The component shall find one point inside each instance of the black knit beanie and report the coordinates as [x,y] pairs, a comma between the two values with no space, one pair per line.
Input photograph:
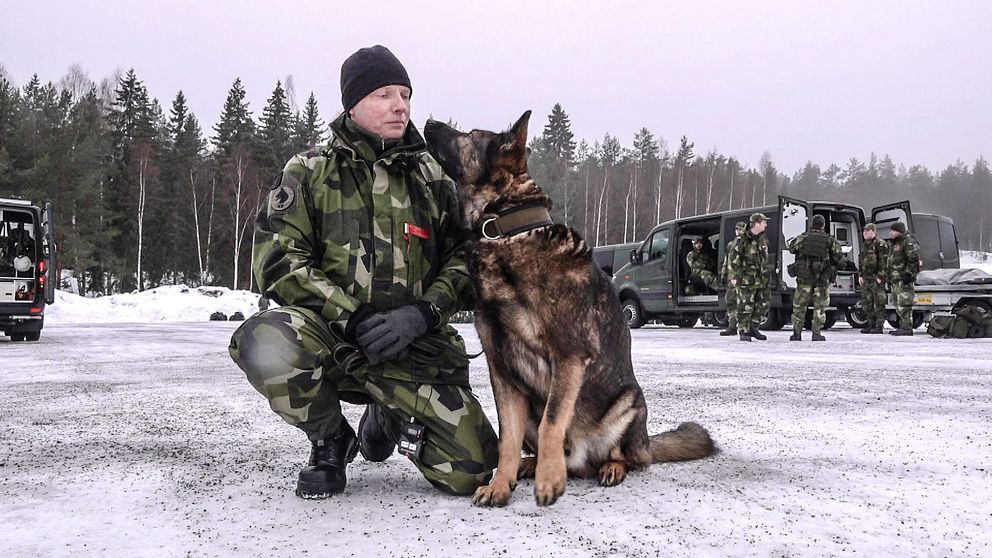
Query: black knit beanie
[369,69]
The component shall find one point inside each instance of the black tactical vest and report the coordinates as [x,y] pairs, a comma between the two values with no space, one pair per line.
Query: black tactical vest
[817,245]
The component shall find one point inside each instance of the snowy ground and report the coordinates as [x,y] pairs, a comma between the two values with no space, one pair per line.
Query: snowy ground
[145,439]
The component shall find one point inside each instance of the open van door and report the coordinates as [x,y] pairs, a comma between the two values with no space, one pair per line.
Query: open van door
[49,253]
[885,216]
[794,220]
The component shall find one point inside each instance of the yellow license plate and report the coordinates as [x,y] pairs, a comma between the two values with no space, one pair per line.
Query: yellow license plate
[923,299]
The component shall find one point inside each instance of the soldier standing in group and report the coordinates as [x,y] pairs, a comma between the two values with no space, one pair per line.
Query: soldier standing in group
[874,257]
[817,256]
[750,277]
[731,297]
[902,269]
[701,262]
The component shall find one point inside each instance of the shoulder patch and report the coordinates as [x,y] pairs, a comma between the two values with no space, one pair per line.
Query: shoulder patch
[281,198]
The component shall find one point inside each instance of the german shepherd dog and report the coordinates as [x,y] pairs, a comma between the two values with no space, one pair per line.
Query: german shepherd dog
[550,322]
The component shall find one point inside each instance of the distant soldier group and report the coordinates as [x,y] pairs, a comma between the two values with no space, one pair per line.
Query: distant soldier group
[893,265]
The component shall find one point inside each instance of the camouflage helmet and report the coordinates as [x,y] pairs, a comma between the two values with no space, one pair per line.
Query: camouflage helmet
[870,227]
[757,217]
[740,226]
[898,227]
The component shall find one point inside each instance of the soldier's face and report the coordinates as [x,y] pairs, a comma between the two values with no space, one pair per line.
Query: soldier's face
[759,227]
[385,112]
[868,234]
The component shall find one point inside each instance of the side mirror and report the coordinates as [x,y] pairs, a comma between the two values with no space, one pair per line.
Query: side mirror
[635,257]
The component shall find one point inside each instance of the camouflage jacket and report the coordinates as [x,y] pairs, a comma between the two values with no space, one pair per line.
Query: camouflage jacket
[904,258]
[873,259]
[817,271]
[363,222]
[727,256]
[700,261]
[749,260]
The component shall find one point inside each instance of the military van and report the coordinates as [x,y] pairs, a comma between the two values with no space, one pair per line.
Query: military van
[27,268]
[612,257]
[657,284]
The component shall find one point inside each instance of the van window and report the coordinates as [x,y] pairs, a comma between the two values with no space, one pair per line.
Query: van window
[949,244]
[658,246]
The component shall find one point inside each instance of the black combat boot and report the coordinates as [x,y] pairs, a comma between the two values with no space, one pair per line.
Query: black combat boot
[877,327]
[797,335]
[324,475]
[758,335]
[372,439]
[731,330]
[745,336]
[818,337]
[902,332]
[869,325]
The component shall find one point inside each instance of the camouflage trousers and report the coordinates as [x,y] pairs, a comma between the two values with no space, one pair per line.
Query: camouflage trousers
[805,293]
[708,277]
[752,307]
[904,295]
[731,299]
[285,353]
[873,299]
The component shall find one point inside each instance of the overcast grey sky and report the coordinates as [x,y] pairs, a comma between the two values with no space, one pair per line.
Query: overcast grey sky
[821,81]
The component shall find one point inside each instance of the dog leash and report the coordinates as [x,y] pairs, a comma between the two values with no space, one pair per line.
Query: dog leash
[423,351]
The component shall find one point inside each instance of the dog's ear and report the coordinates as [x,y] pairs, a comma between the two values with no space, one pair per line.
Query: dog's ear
[519,129]
[513,146]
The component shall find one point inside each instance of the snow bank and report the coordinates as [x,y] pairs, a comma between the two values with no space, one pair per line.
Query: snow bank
[977,260]
[174,303]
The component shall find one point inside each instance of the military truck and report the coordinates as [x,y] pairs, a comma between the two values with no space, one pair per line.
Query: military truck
[654,285]
[27,268]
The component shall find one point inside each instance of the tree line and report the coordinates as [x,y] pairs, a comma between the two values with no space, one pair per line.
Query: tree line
[614,193]
[143,197]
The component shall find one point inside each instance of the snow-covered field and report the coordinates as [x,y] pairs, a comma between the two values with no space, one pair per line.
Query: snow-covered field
[145,439]
[977,260]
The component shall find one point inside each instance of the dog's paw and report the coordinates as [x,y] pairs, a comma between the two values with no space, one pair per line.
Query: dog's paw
[528,465]
[549,484]
[496,494]
[612,473]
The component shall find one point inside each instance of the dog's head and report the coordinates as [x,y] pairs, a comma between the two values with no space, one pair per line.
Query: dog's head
[483,164]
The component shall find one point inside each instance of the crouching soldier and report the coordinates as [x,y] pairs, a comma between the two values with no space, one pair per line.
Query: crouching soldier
[874,258]
[702,265]
[902,269]
[817,256]
[360,244]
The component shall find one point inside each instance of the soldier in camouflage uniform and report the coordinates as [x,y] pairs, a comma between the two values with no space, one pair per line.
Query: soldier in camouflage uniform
[817,256]
[749,275]
[902,269]
[702,265]
[731,297]
[361,246]
[872,265]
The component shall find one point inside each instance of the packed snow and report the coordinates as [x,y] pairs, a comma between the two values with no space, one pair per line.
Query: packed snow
[143,438]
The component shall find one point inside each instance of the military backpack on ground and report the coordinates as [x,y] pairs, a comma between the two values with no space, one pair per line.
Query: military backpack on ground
[967,322]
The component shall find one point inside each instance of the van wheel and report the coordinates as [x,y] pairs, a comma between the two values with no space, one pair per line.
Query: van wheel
[632,313]
[17,337]
[687,322]
[772,322]
[856,317]
[32,335]
[720,319]
[893,319]
[830,320]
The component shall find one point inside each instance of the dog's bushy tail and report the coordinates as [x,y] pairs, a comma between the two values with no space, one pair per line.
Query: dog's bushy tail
[688,441]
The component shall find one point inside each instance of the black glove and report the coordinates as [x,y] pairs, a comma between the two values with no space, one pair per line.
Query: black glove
[906,278]
[386,335]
